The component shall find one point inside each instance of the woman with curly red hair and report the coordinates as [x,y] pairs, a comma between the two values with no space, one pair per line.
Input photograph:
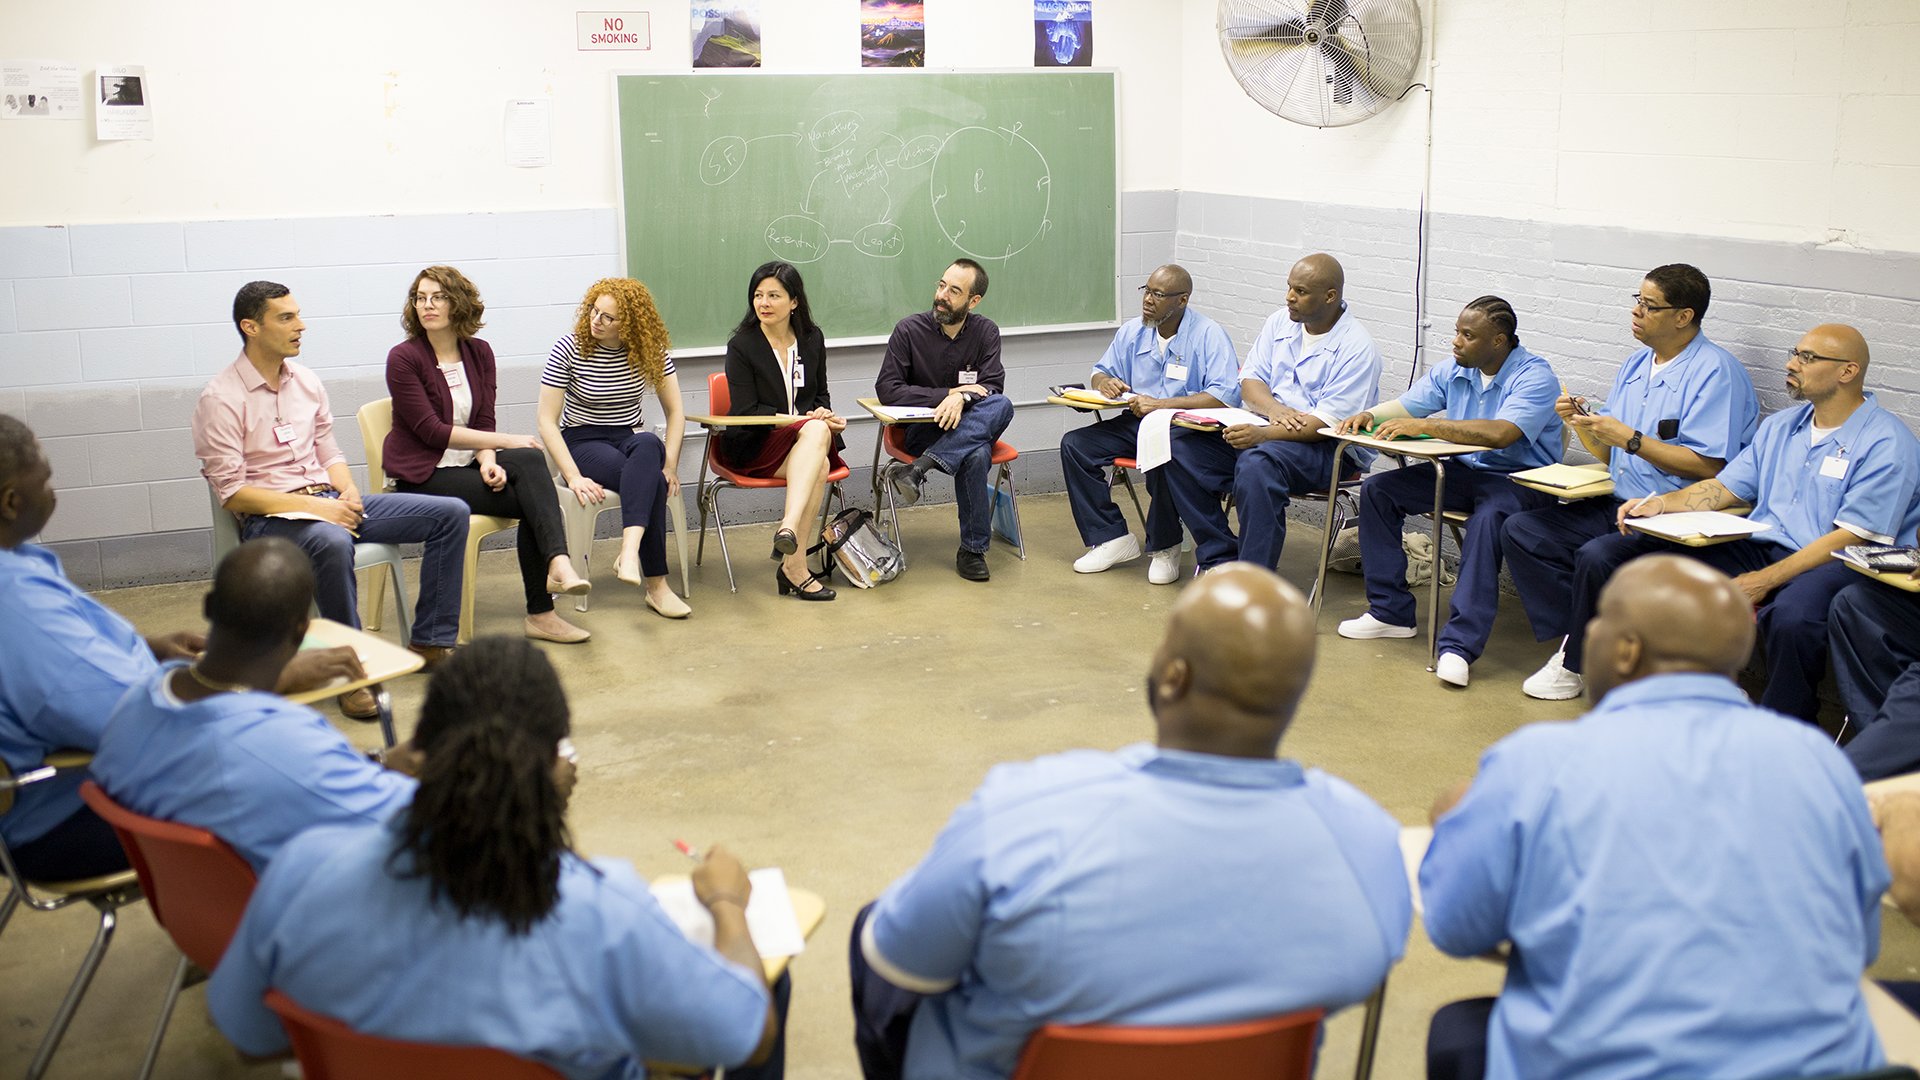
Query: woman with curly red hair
[590,397]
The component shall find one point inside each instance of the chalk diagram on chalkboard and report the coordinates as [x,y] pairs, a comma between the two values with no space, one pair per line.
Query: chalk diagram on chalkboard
[989,188]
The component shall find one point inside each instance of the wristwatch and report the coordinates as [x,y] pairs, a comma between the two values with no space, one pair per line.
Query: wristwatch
[1633,444]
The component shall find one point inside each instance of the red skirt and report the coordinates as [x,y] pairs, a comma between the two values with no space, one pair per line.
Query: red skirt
[773,454]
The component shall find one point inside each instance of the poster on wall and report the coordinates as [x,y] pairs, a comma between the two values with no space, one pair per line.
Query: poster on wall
[122,102]
[726,33]
[1062,33]
[40,90]
[892,34]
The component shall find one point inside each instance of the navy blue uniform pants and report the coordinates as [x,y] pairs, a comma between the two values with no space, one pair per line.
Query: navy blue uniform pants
[1875,634]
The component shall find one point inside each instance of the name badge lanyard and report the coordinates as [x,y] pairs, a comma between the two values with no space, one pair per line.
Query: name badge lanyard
[793,373]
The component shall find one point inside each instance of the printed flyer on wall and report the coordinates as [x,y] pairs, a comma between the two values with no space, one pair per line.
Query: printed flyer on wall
[122,102]
[40,90]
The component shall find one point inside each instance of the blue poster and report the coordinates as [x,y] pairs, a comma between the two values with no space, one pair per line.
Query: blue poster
[1062,33]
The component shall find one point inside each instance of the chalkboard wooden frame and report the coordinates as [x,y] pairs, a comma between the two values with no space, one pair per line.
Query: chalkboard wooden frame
[896,161]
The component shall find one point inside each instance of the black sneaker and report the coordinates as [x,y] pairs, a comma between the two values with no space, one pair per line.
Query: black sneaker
[905,483]
[972,565]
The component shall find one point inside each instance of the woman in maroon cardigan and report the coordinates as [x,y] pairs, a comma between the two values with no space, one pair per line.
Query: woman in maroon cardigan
[443,441]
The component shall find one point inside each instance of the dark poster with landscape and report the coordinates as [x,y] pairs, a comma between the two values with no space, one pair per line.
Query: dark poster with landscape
[726,34]
[892,34]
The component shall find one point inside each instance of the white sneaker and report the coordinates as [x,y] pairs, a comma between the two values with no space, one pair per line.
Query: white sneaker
[1366,626]
[1554,682]
[1108,555]
[1451,669]
[1165,567]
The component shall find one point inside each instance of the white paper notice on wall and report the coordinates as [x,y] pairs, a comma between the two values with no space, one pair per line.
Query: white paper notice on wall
[40,90]
[529,133]
[122,102]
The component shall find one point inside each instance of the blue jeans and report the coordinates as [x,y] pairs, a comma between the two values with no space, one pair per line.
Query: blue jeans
[965,454]
[1086,454]
[1385,501]
[1875,633]
[1793,619]
[1263,478]
[439,523]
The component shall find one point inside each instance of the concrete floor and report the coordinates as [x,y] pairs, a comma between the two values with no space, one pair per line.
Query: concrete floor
[864,723]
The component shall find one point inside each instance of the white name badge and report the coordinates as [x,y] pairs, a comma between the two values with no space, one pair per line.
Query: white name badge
[283,434]
[1177,372]
[968,378]
[1835,467]
[455,376]
[799,376]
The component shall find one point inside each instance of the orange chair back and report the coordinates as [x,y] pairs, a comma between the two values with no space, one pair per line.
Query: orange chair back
[893,438]
[330,1050]
[197,886]
[719,398]
[1277,1048]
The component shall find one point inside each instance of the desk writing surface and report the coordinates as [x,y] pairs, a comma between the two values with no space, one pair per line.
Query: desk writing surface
[1899,579]
[381,659]
[741,421]
[809,911]
[1083,406]
[888,414]
[1420,448]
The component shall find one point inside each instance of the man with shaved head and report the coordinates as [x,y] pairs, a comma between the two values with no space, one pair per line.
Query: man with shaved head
[1194,881]
[205,742]
[1169,357]
[1835,470]
[1690,885]
[1310,365]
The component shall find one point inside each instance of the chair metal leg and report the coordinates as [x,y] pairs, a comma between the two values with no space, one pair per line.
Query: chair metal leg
[166,1014]
[383,701]
[1433,584]
[1127,481]
[71,1003]
[1327,536]
[1370,1032]
[719,531]
[8,906]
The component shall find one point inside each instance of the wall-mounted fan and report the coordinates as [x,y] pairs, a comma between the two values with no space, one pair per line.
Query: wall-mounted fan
[1323,63]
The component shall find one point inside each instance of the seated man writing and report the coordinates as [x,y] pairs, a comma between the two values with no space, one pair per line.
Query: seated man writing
[1190,882]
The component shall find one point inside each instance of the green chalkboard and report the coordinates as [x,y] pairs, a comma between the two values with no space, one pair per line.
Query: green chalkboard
[872,184]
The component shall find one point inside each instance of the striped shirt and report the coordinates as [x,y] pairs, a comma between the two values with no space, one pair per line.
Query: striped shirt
[601,388]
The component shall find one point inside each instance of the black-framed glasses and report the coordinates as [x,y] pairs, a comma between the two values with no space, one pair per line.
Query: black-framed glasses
[1640,303]
[1806,357]
[1157,296]
[438,299]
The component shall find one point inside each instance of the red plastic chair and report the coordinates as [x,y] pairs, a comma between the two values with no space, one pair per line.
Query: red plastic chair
[197,886]
[330,1050]
[720,403]
[893,441]
[1277,1048]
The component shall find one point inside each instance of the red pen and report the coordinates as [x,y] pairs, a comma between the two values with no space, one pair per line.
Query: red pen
[687,850]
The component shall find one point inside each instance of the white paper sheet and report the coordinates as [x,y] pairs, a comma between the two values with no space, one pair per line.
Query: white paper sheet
[1697,523]
[122,103]
[1153,446]
[40,90]
[528,133]
[769,913]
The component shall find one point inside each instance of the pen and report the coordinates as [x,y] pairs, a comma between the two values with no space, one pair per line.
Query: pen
[687,850]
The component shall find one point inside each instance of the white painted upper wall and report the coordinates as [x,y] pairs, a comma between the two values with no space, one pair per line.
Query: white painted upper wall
[1793,120]
[358,106]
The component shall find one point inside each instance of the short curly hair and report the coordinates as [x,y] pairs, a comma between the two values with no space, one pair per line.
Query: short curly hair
[641,330]
[463,315]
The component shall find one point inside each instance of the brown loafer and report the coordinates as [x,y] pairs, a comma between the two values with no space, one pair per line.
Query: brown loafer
[359,704]
[434,655]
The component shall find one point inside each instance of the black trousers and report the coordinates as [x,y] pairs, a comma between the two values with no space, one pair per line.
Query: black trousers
[82,846]
[1457,1040]
[529,496]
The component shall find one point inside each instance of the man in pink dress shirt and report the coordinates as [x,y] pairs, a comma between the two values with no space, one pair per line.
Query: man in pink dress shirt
[264,433]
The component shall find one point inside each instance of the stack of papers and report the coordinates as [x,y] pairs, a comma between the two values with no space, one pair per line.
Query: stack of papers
[1563,477]
[1091,397]
[1220,417]
[1694,524]
[770,918]
[895,413]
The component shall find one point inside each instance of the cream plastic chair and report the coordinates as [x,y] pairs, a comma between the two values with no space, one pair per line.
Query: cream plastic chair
[376,419]
[226,537]
[582,520]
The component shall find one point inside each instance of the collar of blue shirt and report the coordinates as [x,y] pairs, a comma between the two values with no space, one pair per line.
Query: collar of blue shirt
[1656,689]
[1214,769]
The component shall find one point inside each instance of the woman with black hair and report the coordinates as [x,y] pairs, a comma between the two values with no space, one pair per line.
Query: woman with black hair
[468,919]
[777,366]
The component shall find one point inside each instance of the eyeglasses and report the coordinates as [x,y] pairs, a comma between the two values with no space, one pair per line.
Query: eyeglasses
[438,299]
[1806,357]
[604,317]
[1640,303]
[1157,296]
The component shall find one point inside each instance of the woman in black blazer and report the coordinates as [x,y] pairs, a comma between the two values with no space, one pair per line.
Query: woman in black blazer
[777,366]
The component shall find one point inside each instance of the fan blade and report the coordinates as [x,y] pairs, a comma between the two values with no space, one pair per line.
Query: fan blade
[1287,33]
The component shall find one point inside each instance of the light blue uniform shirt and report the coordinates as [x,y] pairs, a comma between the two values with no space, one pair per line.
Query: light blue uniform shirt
[1861,478]
[1691,885]
[601,984]
[1139,887]
[254,769]
[66,660]
[1704,395]
[1332,379]
[1522,394]
[1199,357]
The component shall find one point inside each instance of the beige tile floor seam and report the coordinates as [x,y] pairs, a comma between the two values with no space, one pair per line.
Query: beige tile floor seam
[835,739]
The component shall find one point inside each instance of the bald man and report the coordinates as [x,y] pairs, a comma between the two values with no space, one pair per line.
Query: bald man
[1169,357]
[1690,884]
[1194,881]
[205,743]
[1311,365]
[1834,470]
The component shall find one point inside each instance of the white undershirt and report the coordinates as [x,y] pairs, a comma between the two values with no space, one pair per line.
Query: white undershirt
[1310,342]
[462,412]
[1821,434]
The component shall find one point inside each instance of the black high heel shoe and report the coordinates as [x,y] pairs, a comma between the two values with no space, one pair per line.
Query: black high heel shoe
[799,589]
[785,543]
